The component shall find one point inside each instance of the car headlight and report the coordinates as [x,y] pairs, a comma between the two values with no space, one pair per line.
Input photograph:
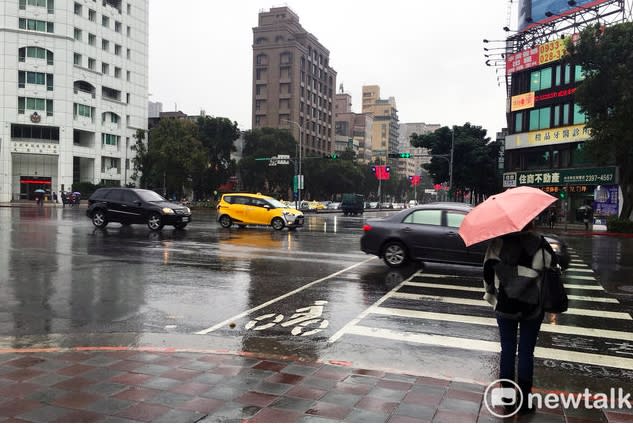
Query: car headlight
[168,211]
[188,210]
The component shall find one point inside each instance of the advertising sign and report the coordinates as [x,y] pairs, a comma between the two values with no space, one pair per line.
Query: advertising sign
[509,179]
[522,101]
[606,202]
[533,12]
[551,51]
[558,177]
[535,56]
[548,136]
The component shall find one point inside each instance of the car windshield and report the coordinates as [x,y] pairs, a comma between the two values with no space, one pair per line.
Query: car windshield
[150,196]
[275,203]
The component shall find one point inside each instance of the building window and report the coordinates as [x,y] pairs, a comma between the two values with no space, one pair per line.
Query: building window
[36,25]
[78,9]
[35,52]
[105,68]
[579,74]
[50,4]
[105,21]
[541,79]
[117,26]
[261,59]
[127,98]
[117,49]
[35,104]
[129,31]
[110,117]
[129,9]
[579,117]
[260,89]
[39,78]
[92,15]
[77,59]
[82,110]
[92,39]
[92,63]
[117,72]
[109,139]
[128,75]
[539,119]
[128,54]
[77,34]
[105,45]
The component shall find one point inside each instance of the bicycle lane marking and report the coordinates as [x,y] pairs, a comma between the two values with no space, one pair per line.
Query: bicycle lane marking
[277,299]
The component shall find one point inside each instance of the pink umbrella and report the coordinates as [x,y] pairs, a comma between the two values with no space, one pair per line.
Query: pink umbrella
[504,213]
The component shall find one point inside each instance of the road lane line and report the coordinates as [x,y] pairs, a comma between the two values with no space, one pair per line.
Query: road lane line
[579,277]
[584,270]
[476,289]
[487,346]
[473,302]
[277,299]
[492,322]
[584,286]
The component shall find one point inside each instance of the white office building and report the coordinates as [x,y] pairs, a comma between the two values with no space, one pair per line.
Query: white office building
[73,92]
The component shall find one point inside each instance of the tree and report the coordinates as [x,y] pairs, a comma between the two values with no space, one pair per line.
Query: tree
[176,155]
[217,136]
[325,178]
[606,97]
[140,161]
[475,159]
[258,176]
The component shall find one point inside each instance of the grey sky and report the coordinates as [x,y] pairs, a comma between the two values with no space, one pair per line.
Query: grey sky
[426,54]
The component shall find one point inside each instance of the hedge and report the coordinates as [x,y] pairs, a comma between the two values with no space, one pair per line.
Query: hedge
[619,225]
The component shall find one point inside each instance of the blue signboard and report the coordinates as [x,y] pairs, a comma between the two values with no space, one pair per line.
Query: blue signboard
[606,203]
[534,11]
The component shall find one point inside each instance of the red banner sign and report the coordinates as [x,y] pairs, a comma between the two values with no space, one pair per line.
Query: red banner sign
[415,180]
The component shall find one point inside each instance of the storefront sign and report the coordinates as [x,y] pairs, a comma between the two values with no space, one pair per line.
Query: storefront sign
[39,148]
[509,179]
[546,137]
[522,101]
[535,56]
[564,177]
[606,202]
[554,190]
[551,51]
[555,94]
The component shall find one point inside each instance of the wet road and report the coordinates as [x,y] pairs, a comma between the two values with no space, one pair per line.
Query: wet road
[308,293]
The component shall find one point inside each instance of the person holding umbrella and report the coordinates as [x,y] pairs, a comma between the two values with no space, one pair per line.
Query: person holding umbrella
[513,269]
[39,196]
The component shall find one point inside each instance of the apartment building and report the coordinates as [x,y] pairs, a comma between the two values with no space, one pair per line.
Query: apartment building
[385,125]
[74,92]
[413,165]
[353,131]
[293,82]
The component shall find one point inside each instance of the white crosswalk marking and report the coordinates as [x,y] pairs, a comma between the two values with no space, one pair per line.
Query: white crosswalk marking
[593,322]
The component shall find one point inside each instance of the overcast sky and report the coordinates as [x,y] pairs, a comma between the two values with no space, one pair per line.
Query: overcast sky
[427,54]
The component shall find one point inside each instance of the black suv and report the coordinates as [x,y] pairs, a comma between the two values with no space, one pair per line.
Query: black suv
[135,206]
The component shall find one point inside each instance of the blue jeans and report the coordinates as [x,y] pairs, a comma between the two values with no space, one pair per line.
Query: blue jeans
[529,330]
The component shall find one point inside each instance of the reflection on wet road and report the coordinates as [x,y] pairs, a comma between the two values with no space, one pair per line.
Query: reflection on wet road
[309,293]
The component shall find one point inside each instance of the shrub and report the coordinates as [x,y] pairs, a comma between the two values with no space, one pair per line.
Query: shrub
[619,225]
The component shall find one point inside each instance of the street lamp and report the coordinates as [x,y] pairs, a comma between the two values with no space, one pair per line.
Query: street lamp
[450,165]
[297,165]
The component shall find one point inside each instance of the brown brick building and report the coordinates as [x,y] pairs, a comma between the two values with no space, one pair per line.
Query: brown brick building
[292,81]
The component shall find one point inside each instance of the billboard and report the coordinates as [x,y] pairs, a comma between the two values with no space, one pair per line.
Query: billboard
[535,56]
[532,12]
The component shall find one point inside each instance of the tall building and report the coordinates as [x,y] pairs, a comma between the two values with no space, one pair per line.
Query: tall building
[154,109]
[413,165]
[293,81]
[352,130]
[385,125]
[74,92]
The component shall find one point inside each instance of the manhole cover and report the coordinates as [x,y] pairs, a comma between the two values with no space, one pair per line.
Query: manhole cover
[626,289]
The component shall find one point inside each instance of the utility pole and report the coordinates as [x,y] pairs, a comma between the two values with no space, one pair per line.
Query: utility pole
[298,175]
[450,170]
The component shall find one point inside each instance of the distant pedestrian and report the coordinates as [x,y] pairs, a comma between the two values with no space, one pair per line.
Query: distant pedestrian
[586,215]
[54,197]
[552,217]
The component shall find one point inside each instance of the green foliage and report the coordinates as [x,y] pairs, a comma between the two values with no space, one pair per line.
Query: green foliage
[257,176]
[325,178]
[176,156]
[140,160]
[619,225]
[606,97]
[217,136]
[475,158]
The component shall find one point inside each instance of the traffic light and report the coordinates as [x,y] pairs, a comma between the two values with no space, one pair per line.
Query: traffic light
[404,155]
[562,194]
[333,156]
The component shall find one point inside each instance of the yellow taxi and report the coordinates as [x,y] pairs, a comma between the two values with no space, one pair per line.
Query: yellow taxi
[256,209]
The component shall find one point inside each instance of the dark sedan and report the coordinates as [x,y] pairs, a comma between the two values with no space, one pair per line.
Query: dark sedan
[135,206]
[429,233]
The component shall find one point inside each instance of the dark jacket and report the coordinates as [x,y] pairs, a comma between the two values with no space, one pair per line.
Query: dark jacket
[513,268]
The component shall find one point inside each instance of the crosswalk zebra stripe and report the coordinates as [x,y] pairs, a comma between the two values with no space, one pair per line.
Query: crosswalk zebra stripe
[475,289]
[487,346]
[473,302]
[584,286]
[471,319]
[579,277]
[579,264]
[579,270]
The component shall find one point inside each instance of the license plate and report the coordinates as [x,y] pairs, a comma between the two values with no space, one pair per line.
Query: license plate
[185,219]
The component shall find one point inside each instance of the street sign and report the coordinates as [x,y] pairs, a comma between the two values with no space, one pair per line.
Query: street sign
[279,160]
[297,183]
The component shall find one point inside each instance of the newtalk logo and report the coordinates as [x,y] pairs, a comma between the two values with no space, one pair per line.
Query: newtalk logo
[510,399]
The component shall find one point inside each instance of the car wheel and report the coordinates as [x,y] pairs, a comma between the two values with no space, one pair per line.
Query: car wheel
[277,223]
[98,219]
[226,221]
[394,254]
[155,222]
[180,226]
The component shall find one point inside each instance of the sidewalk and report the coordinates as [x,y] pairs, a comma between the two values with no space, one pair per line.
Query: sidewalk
[166,385]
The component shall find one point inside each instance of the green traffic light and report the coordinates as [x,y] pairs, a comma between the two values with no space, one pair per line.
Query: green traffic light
[334,156]
[405,155]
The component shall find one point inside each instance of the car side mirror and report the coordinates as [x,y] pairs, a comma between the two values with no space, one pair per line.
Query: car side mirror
[267,207]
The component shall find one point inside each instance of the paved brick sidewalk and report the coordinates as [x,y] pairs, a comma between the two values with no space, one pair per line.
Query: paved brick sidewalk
[108,385]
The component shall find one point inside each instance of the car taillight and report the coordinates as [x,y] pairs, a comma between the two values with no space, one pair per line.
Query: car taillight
[366,227]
